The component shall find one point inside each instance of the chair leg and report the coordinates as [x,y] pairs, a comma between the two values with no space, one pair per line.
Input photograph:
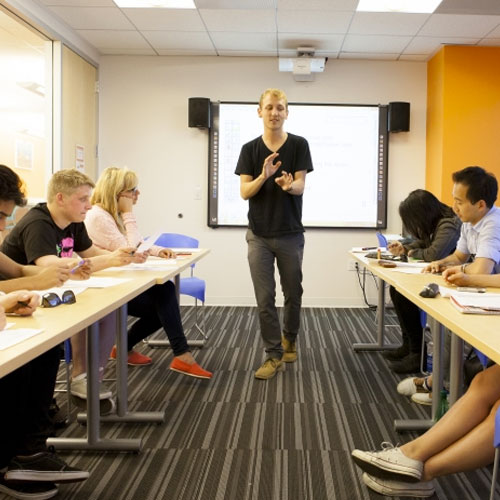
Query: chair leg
[494,475]
[68,393]
[202,330]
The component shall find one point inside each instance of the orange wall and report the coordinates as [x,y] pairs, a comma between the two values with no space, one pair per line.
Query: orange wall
[463,114]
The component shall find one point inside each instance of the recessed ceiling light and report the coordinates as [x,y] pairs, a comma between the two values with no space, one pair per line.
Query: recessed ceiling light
[155,4]
[412,6]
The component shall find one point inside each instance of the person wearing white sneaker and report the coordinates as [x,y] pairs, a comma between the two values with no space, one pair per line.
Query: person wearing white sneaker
[413,385]
[391,488]
[461,440]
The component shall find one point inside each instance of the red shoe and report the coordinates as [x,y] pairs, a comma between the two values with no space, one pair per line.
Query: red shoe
[134,358]
[194,370]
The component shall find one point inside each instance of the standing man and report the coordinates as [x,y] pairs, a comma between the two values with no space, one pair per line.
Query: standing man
[272,170]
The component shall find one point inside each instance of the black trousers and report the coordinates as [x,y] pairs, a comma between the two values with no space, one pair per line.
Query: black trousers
[26,395]
[409,318]
[157,308]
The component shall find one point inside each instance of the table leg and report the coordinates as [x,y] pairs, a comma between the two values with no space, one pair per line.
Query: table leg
[379,346]
[456,368]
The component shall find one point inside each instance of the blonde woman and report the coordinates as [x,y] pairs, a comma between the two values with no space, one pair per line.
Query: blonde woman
[111,223]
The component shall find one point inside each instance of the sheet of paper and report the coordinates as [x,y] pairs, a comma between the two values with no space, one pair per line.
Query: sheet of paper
[483,300]
[446,291]
[13,336]
[147,244]
[96,282]
[76,289]
[408,270]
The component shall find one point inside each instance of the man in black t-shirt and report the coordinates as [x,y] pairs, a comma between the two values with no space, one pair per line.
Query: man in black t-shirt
[55,231]
[275,230]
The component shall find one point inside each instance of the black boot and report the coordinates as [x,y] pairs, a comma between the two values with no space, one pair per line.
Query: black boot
[409,364]
[397,354]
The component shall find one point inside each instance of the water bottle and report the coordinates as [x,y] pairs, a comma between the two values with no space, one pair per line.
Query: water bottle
[443,405]
[430,355]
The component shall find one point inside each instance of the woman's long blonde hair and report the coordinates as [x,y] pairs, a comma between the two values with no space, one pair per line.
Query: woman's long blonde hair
[111,183]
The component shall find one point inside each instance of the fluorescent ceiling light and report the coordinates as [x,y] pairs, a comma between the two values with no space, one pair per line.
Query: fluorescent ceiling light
[155,4]
[412,6]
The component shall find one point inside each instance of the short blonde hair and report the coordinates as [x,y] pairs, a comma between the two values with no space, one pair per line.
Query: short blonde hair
[112,182]
[278,93]
[67,182]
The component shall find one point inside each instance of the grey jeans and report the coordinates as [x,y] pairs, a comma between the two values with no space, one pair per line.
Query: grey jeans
[288,252]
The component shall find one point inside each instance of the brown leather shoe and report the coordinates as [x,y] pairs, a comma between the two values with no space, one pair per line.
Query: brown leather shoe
[289,350]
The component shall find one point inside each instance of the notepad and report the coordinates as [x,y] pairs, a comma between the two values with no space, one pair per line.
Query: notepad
[478,304]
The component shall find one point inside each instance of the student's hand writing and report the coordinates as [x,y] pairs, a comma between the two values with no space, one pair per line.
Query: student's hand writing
[434,267]
[82,270]
[284,181]
[455,276]
[396,248]
[20,302]
[121,257]
[140,257]
[166,253]
[50,276]
[269,168]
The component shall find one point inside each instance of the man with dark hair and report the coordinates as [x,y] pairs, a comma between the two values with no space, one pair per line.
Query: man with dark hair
[27,468]
[474,193]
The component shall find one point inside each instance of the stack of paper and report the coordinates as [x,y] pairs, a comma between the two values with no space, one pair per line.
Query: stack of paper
[477,304]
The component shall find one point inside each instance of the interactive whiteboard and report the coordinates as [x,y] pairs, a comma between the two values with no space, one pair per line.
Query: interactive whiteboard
[348,187]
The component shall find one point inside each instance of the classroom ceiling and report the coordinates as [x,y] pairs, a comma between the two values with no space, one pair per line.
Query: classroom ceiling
[278,27]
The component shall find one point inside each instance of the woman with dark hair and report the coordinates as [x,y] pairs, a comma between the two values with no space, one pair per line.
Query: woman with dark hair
[435,230]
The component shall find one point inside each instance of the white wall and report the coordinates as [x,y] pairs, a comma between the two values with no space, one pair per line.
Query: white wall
[143,124]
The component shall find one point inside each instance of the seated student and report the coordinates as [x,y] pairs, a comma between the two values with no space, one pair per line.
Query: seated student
[460,441]
[111,223]
[435,230]
[54,230]
[27,468]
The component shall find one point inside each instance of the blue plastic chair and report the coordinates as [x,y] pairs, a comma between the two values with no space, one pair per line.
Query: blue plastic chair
[496,444]
[191,286]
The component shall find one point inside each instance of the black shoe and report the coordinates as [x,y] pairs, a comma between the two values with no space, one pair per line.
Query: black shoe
[398,353]
[409,364]
[43,466]
[31,490]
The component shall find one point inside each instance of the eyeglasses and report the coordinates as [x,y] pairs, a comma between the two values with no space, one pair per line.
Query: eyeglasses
[133,190]
[53,300]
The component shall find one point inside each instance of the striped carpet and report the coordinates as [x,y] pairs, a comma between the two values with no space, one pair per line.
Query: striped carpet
[238,438]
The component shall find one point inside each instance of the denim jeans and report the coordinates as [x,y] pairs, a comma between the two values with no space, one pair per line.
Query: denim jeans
[287,251]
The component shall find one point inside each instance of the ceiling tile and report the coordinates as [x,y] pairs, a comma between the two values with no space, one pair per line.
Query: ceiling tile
[373,43]
[368,55]
[93,17]
[494,33]
[165,19]
[114,39]
[305,21]
[80,3]
[332,54]
[128,52]
[490,42]
[468,7]
[188,52]
[179,40]
[244,41]
[427,44]
[414,57]
[385,23]
[232,4]
[251,21]
[346,5]
[457,25]
[244,53]
[290,41]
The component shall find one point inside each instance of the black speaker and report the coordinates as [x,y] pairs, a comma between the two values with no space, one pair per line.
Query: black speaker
[399,117]
[199,112]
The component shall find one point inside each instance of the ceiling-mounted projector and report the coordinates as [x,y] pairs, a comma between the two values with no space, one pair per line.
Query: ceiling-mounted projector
[304,65]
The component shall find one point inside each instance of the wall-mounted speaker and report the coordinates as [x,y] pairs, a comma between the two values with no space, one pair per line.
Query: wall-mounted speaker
[199,112]
[399,117]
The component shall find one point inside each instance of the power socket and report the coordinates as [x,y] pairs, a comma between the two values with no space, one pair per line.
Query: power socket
[353,265]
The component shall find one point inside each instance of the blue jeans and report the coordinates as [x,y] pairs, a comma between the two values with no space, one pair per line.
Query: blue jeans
[287,251]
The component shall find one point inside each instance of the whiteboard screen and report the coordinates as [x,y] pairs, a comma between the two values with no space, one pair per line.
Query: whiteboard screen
[348,145]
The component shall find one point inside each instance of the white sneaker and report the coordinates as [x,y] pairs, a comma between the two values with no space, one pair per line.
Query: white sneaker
[78,388]
[391,488]
[390,463]
[408,387]
[422,398]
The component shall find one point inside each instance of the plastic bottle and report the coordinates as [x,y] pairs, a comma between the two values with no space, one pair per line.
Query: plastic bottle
[443,404]
[430,356]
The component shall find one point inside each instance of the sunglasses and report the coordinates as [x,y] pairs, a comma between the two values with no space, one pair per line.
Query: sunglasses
[53,300]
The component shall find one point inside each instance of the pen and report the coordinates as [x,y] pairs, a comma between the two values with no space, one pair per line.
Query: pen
[136,247]
[470,289]
[80,264]
[183,253]
[368,248]
[22,303]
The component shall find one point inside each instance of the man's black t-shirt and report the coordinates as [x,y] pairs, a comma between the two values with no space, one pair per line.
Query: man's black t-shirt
[272,211]
[37,235]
